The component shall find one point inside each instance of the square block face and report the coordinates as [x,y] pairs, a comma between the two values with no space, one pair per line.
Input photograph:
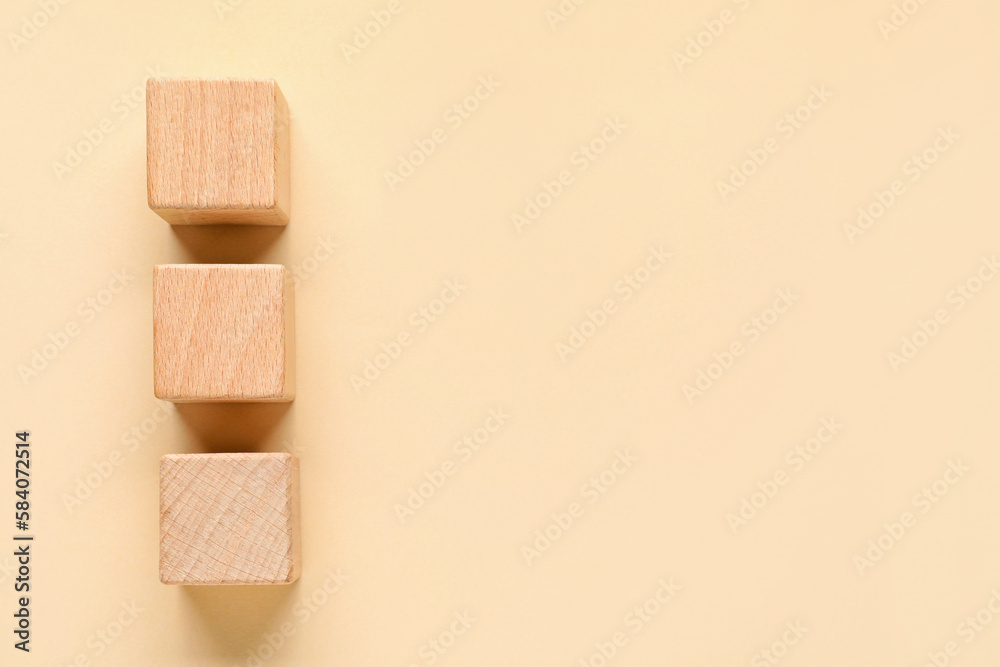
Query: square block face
[223,333]
[229,519]
[217,151]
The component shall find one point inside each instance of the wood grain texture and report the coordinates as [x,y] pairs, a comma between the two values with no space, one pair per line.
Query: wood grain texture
[223,333]
[217,151]
[229,519]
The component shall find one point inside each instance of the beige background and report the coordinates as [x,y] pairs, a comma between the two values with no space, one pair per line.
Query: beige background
[67,231]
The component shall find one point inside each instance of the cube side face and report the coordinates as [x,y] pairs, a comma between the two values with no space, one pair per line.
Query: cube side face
[214,149]
[222,333]
[289,366]
[282,157]
[229,519]
[295,514]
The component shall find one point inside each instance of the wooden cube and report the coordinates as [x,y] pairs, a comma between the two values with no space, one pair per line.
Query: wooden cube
[229,519]
[223,333]
[217,151]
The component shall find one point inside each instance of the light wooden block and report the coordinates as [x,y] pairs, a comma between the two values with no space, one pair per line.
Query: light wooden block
[223,333]
[217,151]
[229,519]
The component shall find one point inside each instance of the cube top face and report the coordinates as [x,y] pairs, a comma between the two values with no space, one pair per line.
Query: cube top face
[223,333]
[217,151]
[229,519]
